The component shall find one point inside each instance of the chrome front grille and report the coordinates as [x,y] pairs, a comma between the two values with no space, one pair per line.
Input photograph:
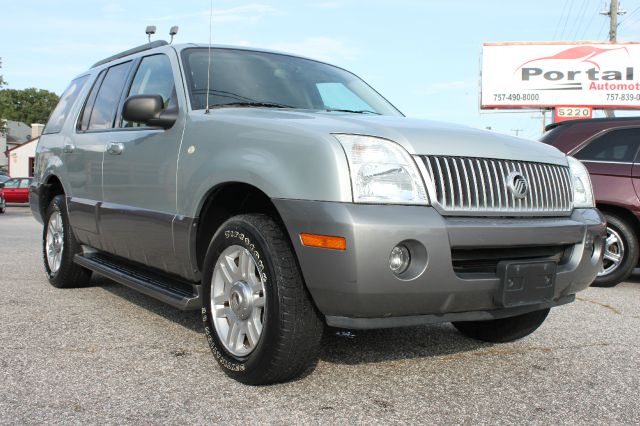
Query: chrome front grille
[480,186]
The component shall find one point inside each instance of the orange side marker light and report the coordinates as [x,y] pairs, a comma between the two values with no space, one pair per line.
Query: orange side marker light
[323,241]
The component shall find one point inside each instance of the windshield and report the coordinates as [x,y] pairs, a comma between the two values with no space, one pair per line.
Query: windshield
[248,78]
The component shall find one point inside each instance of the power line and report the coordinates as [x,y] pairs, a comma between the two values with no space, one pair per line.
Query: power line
[567,19]
[564,8]
[637,9]
[593,15]
[580,19]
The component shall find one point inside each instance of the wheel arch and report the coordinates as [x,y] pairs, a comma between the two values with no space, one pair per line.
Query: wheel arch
[225,201]
[50,187]
[621,212]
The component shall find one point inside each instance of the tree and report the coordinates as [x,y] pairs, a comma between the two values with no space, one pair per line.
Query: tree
[28,106]
[2,83]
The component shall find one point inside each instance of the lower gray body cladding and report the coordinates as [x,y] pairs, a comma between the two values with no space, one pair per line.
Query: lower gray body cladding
[355,288]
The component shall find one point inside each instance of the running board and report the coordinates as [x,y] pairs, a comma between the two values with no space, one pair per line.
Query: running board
[177,293]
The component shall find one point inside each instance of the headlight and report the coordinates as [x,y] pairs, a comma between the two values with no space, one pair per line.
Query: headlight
[382,171]
[582,190]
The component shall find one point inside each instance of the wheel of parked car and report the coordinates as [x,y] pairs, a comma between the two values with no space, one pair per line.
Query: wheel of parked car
[59,246]
[620,252]
[259,319]
[504,329]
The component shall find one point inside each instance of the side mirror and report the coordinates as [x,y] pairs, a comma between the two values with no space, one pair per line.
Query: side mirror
[1,185]
[148,109]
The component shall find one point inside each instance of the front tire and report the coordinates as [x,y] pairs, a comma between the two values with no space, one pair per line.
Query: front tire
[505,329]
[259,320]
[620,252]
[59,247]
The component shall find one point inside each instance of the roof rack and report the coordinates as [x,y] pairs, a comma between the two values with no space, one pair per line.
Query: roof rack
[586,120]
[141,48]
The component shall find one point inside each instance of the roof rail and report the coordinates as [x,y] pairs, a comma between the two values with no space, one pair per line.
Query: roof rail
[141,48]
[589,120]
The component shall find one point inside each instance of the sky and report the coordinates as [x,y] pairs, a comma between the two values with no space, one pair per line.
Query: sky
[422,55]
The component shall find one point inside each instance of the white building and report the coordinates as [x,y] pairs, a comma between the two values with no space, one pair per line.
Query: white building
[16,134]
[22,159]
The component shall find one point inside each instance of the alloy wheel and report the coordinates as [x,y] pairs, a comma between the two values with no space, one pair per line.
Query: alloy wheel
[54,241]
[613,252]
[237,300]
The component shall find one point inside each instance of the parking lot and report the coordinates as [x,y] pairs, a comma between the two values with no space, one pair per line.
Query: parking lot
[106,354]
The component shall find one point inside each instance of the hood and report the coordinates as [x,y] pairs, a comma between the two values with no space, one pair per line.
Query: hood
[418,137]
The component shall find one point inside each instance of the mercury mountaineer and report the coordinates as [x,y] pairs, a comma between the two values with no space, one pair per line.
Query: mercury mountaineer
[277,194]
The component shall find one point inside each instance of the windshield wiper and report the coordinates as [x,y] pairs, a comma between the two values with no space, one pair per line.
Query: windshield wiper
[361,111]
[250,104]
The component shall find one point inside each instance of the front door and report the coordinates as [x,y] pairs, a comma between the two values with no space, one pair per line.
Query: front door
[139,173]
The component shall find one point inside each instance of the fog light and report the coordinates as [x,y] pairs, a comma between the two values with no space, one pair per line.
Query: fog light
[399,259]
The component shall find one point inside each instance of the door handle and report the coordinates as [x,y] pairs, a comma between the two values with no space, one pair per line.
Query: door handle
[115,148]
[69,148]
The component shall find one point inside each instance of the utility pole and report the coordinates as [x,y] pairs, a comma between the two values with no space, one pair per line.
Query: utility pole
[614,11]
[517,131]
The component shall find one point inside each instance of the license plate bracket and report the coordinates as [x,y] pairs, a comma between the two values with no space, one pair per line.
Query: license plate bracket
[526,283]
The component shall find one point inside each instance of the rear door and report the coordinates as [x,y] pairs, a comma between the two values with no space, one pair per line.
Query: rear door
[22,191]
[85,151]
[610,161]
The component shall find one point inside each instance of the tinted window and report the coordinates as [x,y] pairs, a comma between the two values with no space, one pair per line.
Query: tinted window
[106,104]
[616,146]
[239,76]
[154,77]
[59,114]
[24,183]
[83,121]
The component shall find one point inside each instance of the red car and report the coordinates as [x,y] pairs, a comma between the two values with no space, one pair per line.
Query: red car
[16,190]
[609,148]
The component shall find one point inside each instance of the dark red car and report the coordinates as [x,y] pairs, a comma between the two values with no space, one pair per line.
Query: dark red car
[16,190]
[609,147]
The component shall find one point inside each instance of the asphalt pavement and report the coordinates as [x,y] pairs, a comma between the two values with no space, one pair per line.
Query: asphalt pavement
[106,354]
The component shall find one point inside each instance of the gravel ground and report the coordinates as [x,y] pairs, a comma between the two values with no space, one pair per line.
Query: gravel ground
[106,354]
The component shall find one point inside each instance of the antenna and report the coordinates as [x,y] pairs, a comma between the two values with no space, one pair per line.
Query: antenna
[172,32]
[206,111]
[151,29]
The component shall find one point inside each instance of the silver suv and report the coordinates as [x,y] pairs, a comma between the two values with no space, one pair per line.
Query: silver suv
[276,194]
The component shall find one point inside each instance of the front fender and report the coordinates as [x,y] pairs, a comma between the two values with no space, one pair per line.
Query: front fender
[281,162]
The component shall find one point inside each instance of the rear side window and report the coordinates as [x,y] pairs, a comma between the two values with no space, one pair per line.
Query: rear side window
[102,111]
[618,146]
[68,98]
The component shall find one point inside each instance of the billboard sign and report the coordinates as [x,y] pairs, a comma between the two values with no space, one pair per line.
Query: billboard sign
[544,75]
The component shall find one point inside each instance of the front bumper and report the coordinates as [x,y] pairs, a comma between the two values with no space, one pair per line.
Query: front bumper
[356,289]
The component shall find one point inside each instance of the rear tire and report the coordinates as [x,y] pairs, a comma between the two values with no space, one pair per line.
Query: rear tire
[59,247]
[620,253]
[505,329]
[260,323]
